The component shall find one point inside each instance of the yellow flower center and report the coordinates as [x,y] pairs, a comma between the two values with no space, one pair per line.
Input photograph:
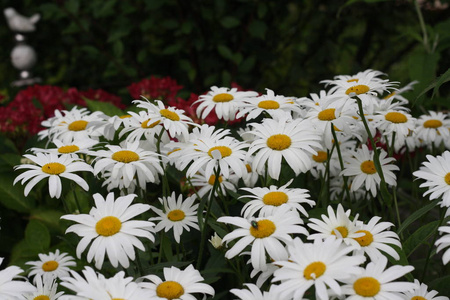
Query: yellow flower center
[78,125]
[447,178]
[176,215]
[125,156]
[366,286]
[353,80]
[169,290]
[327,114]
[366,239]
[224,151]
[368,167]
[41,297]
[223,97]
[249,168]
[50,266]
[320,157]
[68,149]
[212,179]
[418,298]
[275,198]
[342,230]
[396,117]
[125,117]
[358,89]
[173,151]
[151,125]
[53,168]
[108,226]
[263,229]
[279,142]
[314,270]
[269,104]
[432,123]
[169,115]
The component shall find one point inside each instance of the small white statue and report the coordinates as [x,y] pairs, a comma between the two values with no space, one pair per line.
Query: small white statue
[19,23]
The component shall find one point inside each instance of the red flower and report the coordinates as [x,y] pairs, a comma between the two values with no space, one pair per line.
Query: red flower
[154,88]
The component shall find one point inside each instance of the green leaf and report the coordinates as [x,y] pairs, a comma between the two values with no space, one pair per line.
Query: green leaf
[257,29]
[49,217]
[171,49]
[419,237]
[435,85]
[105,107]
[37,235]
[230,22]
[72,6]
[422,67]
[118,48]
[12,196]
[225,52]
[416,215]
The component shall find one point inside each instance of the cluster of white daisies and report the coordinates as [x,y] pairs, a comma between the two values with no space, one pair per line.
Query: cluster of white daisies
[324,135]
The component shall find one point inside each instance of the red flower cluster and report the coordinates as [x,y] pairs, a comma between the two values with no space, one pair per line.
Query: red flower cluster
[23,115]
[154,88]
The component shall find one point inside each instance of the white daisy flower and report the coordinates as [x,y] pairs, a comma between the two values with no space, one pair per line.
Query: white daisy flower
[143,125]
[377,237]
[59,118]
[433,128]
[227,154]
[337,225]
[128,162]
[224,101]
[110,229]
[323,117]
[267,200]
[377,283]
[401,123]
[177,284]
[53,167]
[294,141]
[420,292]
[321,264]
[364,85]
[46,289]
[254,293]
[264,234]
[72,148]
[270,104]
[322,165]
[205,184]
[74,126]
[52,265]
[397,95]
[172,119]
[178,214]
[10,286]
[96,286]
[360,164]
[444,242]
[436,173]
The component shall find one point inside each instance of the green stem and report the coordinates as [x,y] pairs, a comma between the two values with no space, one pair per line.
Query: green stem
[376,154]
[208,213]
[341,161]
[432,245]
[422,26]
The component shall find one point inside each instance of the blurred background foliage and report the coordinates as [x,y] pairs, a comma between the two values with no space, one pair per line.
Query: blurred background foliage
[287,46]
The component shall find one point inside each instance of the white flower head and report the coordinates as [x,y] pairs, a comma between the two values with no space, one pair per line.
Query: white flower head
[265,235]
[320,264]
[52,265]
[177,284]
[110,228]
[178,214]
[224,101]
[53,167]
